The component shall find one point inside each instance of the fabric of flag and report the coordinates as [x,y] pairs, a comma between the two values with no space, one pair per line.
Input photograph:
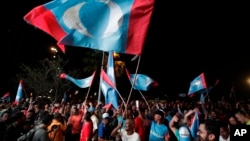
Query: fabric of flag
[6,97]
[82,83]
[64,97]
[108,25]
[195,124]
[142,81]
[202,98]
[197,84]
[19,94]
[110,94]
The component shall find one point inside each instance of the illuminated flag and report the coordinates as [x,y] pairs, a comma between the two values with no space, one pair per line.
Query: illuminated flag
[108,25]
[197,84]
[195,124]
[107,85]
[142,82]
[110,93]
[202,98]
[19,94]
[82,83]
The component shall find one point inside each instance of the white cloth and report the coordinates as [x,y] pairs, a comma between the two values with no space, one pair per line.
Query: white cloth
[134,137]
[221,139]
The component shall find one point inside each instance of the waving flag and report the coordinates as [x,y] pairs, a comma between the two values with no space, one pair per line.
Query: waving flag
[82,83]
[19,94]
[110,94]
[142,82]
[195,124]
[197,84]
[108,25]
[6,97]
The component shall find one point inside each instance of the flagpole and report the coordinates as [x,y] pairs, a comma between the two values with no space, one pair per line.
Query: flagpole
[99,91]
[144,99]
[136,71]
[87,94]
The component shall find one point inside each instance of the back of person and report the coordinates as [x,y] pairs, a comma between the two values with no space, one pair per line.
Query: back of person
[184,134]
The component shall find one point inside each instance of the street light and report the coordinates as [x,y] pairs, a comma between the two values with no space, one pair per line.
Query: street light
[54,51]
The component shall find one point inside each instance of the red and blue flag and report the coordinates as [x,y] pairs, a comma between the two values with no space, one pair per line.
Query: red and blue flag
[197,84]
[107,25]
[82,83]
[195,124]
[19,94]
[109,92]
[142,81]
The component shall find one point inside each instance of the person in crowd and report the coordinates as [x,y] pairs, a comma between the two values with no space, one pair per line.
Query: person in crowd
[95,121]
[87,128]
[209,130]
[75,124]
[104,128]
[127,134]
[142,124]
[4,122]
[57,127]
[15,129]
[242,117]
[224,132]
[158,130]
[41,134]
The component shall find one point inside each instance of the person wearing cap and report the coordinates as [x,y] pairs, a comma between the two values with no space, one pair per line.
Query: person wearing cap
[158,130]
[104,129]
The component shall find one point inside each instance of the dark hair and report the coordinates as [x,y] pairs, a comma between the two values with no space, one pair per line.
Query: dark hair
[45,117]
[87,116]
[212,127]
[16,116]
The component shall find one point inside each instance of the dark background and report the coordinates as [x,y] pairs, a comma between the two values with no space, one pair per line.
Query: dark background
[183,40]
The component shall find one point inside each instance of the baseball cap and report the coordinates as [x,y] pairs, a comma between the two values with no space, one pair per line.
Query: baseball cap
[105,115]
[159,112]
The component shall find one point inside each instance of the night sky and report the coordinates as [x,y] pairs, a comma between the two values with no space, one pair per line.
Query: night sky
[183,40]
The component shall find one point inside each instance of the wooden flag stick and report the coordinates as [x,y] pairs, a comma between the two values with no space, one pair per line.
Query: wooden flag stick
[132,87]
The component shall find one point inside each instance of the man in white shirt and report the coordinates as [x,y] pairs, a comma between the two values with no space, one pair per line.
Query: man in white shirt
[127,134]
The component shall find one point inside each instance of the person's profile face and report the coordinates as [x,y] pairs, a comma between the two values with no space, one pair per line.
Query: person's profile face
[202,133]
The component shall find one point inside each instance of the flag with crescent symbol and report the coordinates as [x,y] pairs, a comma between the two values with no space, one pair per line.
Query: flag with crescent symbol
[108,25]
[82,83]
[199,83]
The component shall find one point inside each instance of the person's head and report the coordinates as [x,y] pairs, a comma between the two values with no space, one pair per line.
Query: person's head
[209,130]
[87,116]
[224,130]
[18,117]
[45,118]
[30,114]
[129,125]
[241,116]
[232,120]
[105,118]
[74,110]
[158,115]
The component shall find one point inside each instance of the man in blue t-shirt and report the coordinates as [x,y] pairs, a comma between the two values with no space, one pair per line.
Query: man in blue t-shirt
[158,130]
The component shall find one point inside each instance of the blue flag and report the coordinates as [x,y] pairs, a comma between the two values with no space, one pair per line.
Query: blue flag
[19,94]
[107,25]
[195,124]
[82,83]
[197,84]
[142,81]
[110,93]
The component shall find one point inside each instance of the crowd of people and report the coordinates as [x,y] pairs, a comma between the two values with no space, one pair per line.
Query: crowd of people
[137,120]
